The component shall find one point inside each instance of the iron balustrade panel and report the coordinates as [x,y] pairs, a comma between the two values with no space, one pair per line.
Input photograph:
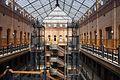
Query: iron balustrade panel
[11,48]
[112,55]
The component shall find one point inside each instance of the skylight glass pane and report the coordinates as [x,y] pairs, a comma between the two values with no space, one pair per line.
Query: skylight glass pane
[41,11]
[76,5]
[22,3]
[37,4]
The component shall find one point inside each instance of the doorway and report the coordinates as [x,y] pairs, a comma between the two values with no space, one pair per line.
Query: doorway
[21,37]
[90,37]
[100,33]
[24,37]
[15,39]
[28,38]
[95,35]
[8,37]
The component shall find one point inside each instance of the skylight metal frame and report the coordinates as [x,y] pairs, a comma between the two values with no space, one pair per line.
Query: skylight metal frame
[63,7]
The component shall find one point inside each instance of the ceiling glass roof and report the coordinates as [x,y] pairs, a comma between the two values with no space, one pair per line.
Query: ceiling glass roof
[57,16]
[42,8]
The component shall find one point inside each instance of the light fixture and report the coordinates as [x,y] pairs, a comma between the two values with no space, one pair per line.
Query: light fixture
[13,33]
[112,31]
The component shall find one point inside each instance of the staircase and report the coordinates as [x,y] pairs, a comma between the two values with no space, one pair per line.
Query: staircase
[57,72]
[56,59]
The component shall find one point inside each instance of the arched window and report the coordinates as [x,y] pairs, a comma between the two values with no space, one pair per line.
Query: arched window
[15,36]
[28,38]
[48,37]
[24,37]
[8,37]
[100,34]
[21,37]
[54,37]
[90,37]
[95,37]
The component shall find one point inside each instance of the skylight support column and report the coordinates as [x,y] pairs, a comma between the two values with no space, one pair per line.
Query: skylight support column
[97,36]
[50,5]
[64,5]
[57,4]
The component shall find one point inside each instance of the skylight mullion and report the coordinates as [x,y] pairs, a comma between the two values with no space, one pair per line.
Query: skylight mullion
[82,4]
[71,6]
[43,6]
[79,7]
[35,9]
[50,5]
[29,3]
[64,5]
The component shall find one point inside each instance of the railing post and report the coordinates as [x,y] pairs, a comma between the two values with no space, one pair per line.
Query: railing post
[11,48]
[87,46]
[3,51]
[119,54]
[112,56]
[93,48]
[103,51]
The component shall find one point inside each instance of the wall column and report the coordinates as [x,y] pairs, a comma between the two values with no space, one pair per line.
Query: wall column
[114,25]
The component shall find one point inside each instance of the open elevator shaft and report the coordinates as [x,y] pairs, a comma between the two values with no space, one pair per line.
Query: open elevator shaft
[72,54]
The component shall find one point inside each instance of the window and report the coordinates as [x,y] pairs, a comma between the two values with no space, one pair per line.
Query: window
[54,37]
[90,37]
[109,32]
[48,37]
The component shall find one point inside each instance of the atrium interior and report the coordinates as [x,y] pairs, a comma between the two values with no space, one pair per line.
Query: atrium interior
[59,39]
